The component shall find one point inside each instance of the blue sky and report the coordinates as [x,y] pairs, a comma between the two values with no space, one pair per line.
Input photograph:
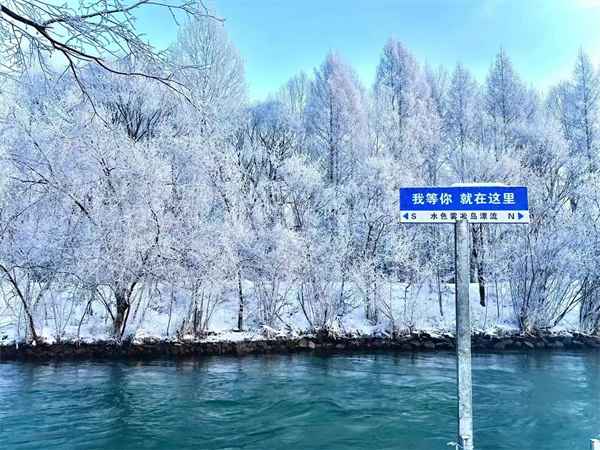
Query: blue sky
[280,38]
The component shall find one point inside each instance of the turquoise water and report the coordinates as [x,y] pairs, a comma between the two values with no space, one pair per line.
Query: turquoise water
[537,400]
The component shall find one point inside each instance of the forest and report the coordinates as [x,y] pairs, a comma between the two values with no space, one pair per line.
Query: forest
[178,206]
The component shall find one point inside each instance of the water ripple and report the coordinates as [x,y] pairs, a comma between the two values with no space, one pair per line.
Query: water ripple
[401,401]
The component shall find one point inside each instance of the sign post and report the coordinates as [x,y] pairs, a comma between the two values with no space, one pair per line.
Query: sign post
[461,204]
[463,336]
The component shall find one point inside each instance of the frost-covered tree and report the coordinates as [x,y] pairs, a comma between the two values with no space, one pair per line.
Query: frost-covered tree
[505,100]
[576,104]
[135,105]
[586,110]
[460,120]
[211,67]
[398,86]
[294,94]
[336,133]
[335,118]
[267,141]
[437,80]
[411,124]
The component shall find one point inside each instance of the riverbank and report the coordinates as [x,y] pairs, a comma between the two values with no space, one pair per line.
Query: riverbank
[151,348]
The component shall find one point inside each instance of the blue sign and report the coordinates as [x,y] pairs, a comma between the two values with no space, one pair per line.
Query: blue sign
[476,203]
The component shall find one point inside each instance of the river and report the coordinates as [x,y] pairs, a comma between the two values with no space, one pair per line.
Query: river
[536,399]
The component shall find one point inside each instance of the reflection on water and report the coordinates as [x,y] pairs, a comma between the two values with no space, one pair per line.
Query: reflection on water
[542,400]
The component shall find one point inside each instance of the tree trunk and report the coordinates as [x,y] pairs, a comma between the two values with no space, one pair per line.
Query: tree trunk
[197,319]
[120,318]
[34,335]
[440,292]
[480,268]
[478,255]
[241,301]
[170,309]
[15,286]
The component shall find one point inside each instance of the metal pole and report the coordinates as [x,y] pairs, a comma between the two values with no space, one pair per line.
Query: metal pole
[463,337]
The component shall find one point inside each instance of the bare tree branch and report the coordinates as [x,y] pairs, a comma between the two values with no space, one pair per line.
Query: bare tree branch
[32,30]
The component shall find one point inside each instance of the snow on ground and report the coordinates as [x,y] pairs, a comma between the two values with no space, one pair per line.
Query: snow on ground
[410,309]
